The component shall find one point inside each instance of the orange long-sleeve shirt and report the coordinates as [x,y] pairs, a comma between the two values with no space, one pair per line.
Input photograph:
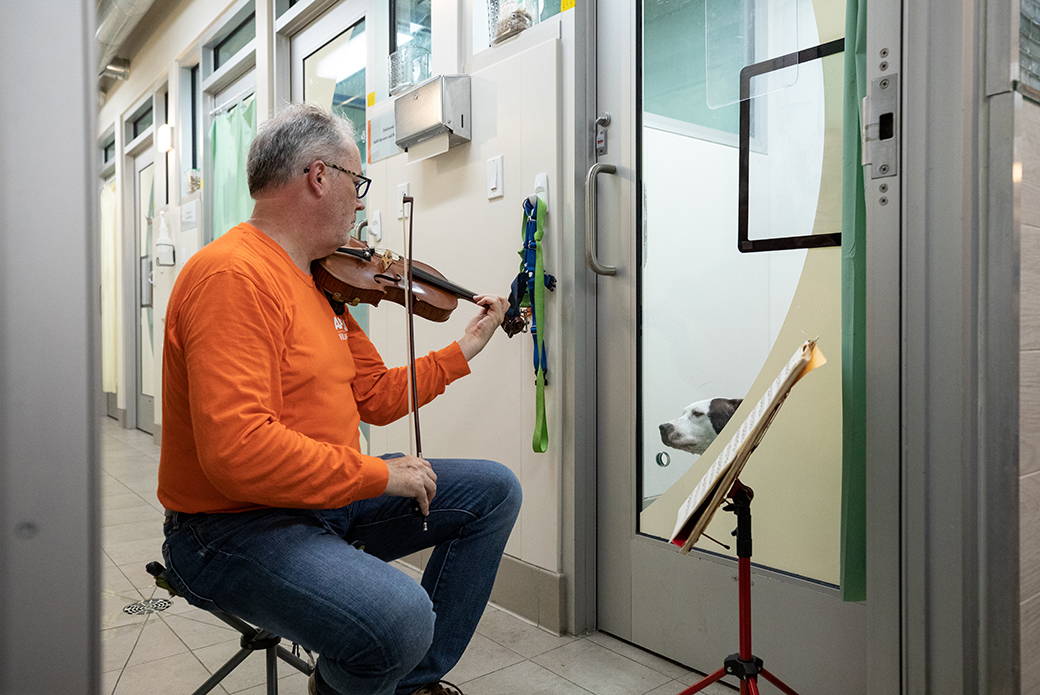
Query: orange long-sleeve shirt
[264,386]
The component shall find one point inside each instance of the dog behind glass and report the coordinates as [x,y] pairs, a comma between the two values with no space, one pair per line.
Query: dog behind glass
[700,423]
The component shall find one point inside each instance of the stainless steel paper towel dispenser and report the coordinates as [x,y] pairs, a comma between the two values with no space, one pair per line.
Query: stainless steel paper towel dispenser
[439,105]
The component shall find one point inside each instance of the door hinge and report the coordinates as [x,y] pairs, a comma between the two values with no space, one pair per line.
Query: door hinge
[880,123]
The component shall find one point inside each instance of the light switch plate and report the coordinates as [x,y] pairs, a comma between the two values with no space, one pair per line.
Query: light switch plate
[495,169]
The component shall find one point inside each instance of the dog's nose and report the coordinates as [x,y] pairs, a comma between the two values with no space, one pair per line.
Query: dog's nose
[666,429]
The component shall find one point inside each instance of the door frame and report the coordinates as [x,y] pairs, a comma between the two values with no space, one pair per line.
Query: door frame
[130,262]
[960,314]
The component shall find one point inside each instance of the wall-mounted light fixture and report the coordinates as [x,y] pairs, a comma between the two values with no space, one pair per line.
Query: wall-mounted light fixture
[164,137]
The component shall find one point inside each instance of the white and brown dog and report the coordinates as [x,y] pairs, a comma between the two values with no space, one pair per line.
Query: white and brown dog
[700,423]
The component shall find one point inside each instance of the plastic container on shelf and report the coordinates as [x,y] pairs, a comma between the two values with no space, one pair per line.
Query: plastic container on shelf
[508,18]
[409,65]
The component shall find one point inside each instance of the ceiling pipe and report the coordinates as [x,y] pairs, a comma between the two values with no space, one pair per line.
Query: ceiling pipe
[116,19]
[117,68]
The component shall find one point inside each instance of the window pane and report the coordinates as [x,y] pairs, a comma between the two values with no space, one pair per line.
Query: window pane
[674,67]
[234,42]
[142,122]
[1029,43]
[334,78]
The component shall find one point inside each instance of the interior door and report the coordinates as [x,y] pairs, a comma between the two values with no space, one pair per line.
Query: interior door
[144,212]
[717,201]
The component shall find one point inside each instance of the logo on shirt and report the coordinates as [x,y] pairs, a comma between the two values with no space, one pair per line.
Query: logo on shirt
[341,326]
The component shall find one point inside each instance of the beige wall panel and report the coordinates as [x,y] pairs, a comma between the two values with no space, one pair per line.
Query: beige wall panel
[1029,412]
[1029,317]
[474,242]
[1029,538]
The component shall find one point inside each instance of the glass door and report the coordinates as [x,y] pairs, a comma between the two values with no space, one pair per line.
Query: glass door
[719,210]
[144,212]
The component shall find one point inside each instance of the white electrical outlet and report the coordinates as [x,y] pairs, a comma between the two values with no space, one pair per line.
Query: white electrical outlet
[375,227]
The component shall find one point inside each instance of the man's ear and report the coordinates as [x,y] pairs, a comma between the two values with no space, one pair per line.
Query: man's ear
[315,173]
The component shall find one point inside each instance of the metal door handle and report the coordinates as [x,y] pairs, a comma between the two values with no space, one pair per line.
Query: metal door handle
[590,219]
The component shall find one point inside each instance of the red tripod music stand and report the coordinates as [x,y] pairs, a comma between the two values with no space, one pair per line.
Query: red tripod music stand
[744,665]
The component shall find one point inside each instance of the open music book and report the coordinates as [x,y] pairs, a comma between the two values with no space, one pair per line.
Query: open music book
[696,512]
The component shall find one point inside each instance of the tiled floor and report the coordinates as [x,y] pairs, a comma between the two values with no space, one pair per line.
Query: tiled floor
[174,651]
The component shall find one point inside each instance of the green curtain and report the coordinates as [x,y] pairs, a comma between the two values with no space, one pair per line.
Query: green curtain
[230,136]
[853,314]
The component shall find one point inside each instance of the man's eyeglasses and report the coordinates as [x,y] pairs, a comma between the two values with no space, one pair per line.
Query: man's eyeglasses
[361,185]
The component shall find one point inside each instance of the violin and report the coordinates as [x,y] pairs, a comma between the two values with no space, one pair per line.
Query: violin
[358,274]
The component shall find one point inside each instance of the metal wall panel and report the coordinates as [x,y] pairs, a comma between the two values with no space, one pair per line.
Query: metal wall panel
[49,587]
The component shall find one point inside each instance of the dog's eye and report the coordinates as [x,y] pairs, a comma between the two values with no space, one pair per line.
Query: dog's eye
[697,413]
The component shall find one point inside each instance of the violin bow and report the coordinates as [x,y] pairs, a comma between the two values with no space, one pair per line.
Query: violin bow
[413,391]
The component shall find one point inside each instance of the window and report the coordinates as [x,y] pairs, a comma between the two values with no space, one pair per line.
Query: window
[142,122]
[138,121]
[234,41]
[410,43]
[108,149]
[1029,43]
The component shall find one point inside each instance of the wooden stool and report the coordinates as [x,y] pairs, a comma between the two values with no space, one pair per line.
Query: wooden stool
[253,639]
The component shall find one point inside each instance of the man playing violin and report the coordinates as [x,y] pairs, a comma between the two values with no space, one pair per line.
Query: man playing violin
[270,500]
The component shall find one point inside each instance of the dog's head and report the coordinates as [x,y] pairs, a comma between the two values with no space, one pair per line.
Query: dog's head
[699,424]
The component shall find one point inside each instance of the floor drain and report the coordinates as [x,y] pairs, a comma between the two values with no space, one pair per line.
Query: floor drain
[149,605]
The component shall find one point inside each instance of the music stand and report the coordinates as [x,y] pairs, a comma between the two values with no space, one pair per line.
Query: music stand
[744,664]
[721,482]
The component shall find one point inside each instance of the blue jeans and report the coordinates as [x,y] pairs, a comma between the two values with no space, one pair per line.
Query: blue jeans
[294,572]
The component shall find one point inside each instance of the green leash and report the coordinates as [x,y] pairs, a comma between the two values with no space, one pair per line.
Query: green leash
[533,267]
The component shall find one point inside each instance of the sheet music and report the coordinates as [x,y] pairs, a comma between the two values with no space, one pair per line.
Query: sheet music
[737,450]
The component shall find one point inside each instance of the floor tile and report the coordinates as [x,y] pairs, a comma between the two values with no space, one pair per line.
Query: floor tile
[125,499]
[138,575]
[149,529]
[524,639]
[140,512]
[657,663]
[174,675]
[157,642]
[117,644]
[524,678]
[249,673]
[141,551]
[108,681]
[115,583]
[481,658]
[198,633]
[600,670]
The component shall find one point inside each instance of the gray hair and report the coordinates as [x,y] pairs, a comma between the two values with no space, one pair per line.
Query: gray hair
[286,144]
